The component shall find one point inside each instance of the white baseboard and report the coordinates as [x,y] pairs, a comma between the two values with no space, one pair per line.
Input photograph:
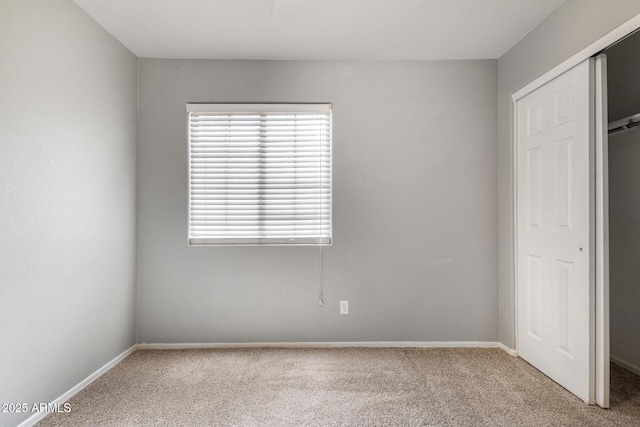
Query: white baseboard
[509,351]
[360,344]
[75,389]
[626,365]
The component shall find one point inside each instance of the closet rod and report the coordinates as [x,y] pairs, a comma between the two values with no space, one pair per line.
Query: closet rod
[627,123]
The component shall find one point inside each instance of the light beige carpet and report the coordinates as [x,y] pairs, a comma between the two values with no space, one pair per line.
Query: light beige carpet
[338,387]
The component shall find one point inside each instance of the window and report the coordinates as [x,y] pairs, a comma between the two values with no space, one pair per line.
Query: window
[259,174]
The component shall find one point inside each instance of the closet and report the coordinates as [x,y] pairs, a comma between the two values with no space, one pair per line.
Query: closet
[624,201]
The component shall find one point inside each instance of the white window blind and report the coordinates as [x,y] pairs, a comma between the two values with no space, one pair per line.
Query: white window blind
[259,174]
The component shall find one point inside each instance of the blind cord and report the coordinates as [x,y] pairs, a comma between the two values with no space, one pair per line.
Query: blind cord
[321,300]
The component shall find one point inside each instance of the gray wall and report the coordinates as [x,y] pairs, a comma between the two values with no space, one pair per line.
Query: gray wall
[624,201]
[623,85]
[624,229]
[569,29]
[67,199]
[415,200]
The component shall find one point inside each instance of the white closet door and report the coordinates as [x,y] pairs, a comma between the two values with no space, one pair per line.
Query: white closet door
[555,206]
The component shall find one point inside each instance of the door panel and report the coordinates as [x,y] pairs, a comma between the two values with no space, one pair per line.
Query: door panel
[602,233]
[554,233]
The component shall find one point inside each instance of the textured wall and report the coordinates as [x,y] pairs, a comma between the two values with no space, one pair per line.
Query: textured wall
[623,86]
[569,29]
[67,199]
[624,240]
[415,231]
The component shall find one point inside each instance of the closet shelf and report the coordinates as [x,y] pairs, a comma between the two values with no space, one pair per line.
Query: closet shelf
[631,122]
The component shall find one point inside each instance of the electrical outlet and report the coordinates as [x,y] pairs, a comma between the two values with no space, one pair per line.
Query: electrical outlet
[344,307]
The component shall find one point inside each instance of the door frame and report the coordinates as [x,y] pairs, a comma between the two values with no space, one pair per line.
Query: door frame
[600,303]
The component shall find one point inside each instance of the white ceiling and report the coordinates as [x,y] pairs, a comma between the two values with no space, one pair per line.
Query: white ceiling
[319,29]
